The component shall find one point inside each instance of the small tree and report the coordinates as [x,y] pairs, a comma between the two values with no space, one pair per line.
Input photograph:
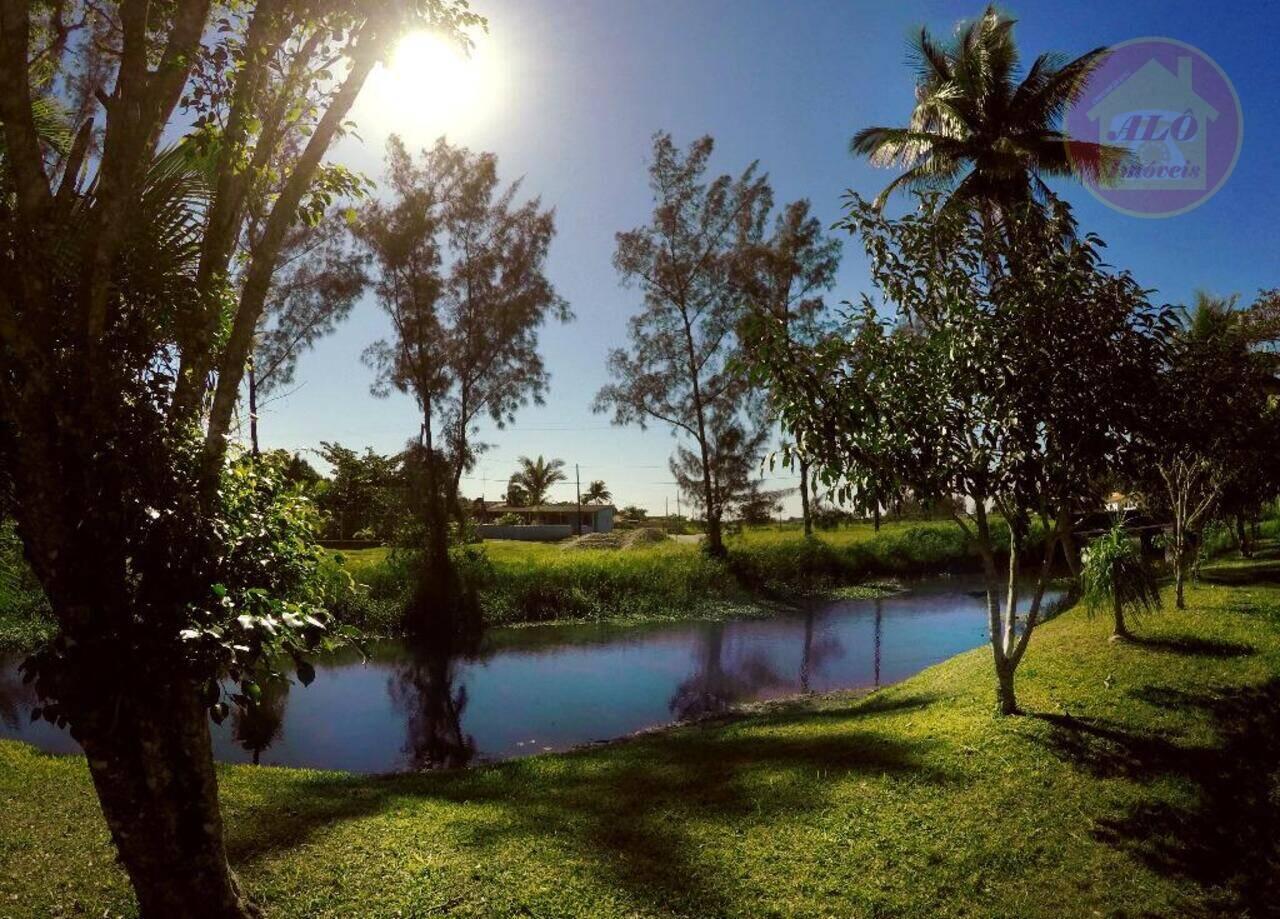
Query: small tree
[1214,414]
[679,370]
[1114,573]
[1012,391]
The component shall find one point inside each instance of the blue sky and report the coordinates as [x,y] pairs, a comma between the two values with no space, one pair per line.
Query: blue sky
[581,86]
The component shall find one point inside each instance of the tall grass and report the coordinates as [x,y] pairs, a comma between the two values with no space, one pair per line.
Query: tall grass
[521,582]
[782,560]
[667,581]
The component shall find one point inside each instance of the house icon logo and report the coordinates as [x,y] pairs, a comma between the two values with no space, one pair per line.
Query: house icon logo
[1156,129]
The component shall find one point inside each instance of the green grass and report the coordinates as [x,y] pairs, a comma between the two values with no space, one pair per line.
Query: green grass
[540,582]
[1145,783]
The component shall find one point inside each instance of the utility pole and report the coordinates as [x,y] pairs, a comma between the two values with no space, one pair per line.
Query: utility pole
[577,520]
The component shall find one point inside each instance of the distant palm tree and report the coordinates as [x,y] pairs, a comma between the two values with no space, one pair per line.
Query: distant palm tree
[597,493]
[535,478]
[978,131]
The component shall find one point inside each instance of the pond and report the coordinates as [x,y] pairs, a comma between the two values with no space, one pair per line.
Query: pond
[540,688]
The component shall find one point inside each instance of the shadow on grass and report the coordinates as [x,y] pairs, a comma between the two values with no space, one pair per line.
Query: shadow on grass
[1263,568]
[1223,835]
[1192,646]
[637,812]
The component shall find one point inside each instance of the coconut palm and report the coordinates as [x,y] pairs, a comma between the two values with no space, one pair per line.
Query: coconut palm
[597,493]
[979,131]
[535,478]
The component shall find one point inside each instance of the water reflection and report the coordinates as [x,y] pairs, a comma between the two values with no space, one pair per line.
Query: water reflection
[259,726]
[714,688]
[447,698]
[426,689]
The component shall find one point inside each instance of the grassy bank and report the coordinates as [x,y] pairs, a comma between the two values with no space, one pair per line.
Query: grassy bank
[537,582]
[1144,784]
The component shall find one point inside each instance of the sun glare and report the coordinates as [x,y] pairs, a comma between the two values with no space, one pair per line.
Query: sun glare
[432,85]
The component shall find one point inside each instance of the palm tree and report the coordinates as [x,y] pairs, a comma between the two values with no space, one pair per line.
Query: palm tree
[535,478]
[978,131]
[597,493]
[1114,573]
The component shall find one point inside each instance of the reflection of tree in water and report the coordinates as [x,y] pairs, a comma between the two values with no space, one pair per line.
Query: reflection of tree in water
[424,688]
[714,688]
[258,726]
[815,653]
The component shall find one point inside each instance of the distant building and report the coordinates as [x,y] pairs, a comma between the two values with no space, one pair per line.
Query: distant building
[544,522]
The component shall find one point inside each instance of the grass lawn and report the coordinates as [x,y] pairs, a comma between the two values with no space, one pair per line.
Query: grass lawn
[1145,783]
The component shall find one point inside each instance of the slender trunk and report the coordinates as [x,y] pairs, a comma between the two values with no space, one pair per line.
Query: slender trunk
[1006,698]
[153,771]
[1179,563]
[1242,536]
[436,592]
[1120,631]
[1071,551]
[804,498]
[253,406]
[875,515]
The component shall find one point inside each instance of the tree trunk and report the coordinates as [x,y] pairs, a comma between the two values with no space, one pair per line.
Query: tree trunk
[1179,578]
[1071,551]
[1006,699]
[253,407]
[804,499]
[1120,632]
[1242,537]
[153,771]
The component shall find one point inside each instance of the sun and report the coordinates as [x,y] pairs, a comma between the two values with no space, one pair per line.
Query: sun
[432,85]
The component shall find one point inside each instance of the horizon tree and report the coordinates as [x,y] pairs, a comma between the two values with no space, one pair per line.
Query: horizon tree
[535,477]
[679,369]
[125,331]
[459,267]
[984,130]
[785,277]
[597,493]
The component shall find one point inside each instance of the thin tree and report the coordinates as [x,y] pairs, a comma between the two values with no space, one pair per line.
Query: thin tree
[460,270]
[123,346]
[535,477]
[679,369]
[785,277]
